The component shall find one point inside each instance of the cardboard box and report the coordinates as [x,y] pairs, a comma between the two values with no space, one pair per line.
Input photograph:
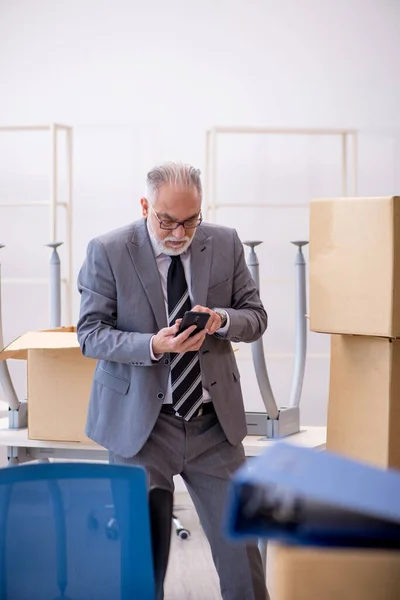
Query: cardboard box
[328,574]
[59,383]
[364,399]
[355,266]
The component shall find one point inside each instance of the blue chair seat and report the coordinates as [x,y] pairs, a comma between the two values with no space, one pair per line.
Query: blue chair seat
[56,543]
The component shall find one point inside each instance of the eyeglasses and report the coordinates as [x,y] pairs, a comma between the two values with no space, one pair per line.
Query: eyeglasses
[171,225]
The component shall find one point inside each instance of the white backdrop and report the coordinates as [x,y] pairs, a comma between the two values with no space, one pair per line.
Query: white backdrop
[141,83]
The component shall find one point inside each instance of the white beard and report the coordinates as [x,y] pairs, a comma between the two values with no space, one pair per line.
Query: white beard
[162,247]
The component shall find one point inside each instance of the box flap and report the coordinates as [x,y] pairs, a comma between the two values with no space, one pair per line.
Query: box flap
[64,329]
[40,340]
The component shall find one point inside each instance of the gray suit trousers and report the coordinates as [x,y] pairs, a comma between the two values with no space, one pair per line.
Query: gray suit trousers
[199,451]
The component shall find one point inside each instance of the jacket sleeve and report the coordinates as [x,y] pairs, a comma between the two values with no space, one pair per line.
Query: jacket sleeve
[96,328]
[248,318]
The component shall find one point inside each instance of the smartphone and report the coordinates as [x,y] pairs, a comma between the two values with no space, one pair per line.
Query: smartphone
[191,317]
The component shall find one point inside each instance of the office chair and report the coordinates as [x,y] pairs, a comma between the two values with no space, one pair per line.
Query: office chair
[47,550]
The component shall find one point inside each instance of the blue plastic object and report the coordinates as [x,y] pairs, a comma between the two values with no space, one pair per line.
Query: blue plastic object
[55,543]
[302,496]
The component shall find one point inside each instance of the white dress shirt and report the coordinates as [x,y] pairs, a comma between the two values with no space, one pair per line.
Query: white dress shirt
[163,262]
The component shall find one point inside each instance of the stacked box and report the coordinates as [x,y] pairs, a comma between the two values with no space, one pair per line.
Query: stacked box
[355,266]
[354,297]
[364,399]
[328,574]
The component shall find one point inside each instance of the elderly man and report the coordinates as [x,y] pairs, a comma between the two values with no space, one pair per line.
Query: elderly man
[170,401]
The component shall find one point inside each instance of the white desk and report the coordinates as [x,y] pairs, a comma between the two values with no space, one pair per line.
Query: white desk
[309,437]
[22,449]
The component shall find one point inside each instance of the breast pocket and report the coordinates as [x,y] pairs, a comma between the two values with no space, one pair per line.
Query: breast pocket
[220,294]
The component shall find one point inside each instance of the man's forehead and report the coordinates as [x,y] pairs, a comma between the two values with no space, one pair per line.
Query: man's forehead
[177,203]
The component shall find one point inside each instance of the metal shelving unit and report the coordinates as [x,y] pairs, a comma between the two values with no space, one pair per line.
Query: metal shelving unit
[53,130]
[211,204]
[277,420]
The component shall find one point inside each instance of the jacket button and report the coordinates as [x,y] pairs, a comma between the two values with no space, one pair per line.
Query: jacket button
[160,396]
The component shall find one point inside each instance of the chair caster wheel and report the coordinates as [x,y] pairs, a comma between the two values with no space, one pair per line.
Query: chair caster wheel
[183,534]
[112,531]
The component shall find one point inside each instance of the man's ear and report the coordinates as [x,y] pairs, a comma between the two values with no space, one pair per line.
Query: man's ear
[145,207]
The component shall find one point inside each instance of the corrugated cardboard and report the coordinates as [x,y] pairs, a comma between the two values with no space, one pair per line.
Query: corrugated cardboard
[355,266]
[59,383]
[364,399]
[326,574]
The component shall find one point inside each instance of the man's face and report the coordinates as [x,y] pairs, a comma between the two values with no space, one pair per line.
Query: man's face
[172,205]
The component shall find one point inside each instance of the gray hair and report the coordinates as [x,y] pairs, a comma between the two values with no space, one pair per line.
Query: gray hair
[180,175]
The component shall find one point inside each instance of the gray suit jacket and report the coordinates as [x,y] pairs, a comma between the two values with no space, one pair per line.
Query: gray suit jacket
[122,306]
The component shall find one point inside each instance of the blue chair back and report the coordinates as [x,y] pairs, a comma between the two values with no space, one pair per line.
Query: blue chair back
[75,531]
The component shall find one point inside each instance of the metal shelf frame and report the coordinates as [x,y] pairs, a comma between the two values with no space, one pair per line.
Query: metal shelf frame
[53,130]
[211,204]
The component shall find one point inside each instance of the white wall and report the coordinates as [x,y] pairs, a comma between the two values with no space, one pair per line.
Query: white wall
[141,81]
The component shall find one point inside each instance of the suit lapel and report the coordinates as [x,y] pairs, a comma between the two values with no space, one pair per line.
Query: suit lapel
[200,266]
[144,261]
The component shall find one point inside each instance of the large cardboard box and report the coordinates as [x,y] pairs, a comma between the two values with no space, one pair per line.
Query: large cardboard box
[331,574]
[355,266]
[59,383]
[364,399]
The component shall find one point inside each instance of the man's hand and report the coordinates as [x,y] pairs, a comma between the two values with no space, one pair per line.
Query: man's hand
[166,339]
[214,322]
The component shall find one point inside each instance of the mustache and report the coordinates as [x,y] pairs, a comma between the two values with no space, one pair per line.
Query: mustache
[172,239]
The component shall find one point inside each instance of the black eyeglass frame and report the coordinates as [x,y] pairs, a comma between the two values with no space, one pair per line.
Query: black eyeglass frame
[177,224]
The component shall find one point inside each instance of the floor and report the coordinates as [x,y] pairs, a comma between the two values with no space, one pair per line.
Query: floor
[191,574]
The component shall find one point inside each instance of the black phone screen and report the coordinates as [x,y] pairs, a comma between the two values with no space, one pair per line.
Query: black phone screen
[191,317]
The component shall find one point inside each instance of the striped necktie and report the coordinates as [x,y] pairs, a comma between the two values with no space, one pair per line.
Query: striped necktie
[187,390]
